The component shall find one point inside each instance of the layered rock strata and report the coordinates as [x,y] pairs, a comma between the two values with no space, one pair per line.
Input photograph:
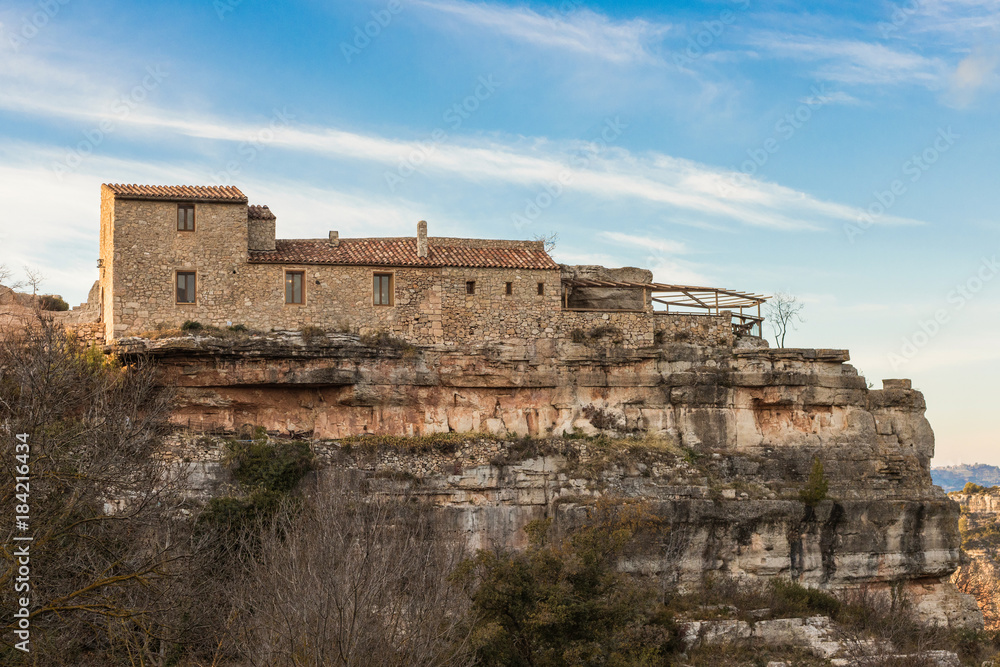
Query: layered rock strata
[722,441]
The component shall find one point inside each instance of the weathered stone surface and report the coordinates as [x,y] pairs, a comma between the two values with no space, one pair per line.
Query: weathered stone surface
[753,422]
[817,634]
[979,574]
[607,298]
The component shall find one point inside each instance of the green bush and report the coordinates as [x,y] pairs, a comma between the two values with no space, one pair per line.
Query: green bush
[52,302]
[267,474]
[727,597]
[191,325]
[973,488]
[982,537]
[385,340]
[276,468]
[235,515]
[816,486]
[791,599]
[564,601]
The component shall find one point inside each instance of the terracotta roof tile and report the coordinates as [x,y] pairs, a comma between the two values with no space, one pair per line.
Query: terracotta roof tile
[400,252]
[222,193]
[255,212]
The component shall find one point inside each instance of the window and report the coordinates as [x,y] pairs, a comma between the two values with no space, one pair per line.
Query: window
[470,287]
[508,288]
[382,289]
[541,289]
[185,217]
[295,287]
[186,287]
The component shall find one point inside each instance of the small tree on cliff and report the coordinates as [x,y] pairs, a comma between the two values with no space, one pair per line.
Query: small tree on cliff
[783,313]
[816,486]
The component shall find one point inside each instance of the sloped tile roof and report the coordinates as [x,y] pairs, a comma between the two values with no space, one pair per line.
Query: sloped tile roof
[221,193]
[401,252]
[255,212]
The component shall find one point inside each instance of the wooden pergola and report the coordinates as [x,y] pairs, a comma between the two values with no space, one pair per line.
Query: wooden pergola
[708,299]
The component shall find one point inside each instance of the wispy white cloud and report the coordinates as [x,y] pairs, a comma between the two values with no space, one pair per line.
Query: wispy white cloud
[657,180]
[676,272]
[851,61]
[580,31]
[959,19]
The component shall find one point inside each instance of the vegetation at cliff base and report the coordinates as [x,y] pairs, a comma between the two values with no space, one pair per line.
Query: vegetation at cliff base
[564,601]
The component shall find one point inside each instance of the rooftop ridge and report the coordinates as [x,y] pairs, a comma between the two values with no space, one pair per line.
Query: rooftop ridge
[403,252]
[206,193]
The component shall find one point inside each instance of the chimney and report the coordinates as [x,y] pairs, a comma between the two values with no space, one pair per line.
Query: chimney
[422,239]
[260,228]
[335,239]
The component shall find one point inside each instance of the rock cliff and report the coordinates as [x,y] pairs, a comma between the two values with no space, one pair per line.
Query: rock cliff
[979,573]
[719,439]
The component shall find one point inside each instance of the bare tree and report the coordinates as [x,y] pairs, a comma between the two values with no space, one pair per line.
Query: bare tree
[353,578]
[107,548]
[34,279]
[783,313]
[5,275]
[550,240]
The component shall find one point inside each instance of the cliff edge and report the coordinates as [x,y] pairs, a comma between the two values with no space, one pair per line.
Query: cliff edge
[720,439]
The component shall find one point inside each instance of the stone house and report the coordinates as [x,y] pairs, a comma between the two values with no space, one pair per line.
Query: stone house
[169,254]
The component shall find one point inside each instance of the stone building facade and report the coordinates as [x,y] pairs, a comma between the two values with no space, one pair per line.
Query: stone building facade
[171,254]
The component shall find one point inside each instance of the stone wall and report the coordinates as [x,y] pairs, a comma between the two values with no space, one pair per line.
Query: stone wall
[261,233]
[144,250]
[106,267]
[88,333]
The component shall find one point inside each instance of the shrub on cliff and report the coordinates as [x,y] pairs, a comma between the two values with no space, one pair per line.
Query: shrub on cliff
[267,474]
[972,488]
[274,467]
[816,486]
[564,601]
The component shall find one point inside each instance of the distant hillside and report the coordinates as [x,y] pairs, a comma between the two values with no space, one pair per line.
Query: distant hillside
[953,478]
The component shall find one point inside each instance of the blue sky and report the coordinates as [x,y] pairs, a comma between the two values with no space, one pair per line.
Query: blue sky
[844,152]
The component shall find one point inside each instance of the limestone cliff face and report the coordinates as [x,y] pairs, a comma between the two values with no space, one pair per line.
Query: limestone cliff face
[979,573]
[737,430]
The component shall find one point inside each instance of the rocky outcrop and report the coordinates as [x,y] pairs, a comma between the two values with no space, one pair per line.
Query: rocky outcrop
[719,440]
[979,573]
[606,298]
[816,634]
